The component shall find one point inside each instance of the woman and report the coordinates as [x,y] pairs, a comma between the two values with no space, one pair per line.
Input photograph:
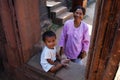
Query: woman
[75,39]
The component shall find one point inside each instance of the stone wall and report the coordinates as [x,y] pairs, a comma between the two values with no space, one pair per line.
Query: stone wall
[43,9]
[90,1]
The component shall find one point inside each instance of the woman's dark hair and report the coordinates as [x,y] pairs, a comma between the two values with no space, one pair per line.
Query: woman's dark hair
[79,7]
[48,34]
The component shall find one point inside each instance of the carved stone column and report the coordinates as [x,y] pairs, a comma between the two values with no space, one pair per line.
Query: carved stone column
[104,54]
[20,21]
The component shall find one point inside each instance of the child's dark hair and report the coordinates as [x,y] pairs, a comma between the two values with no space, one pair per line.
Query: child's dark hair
[80,7]
[48,34]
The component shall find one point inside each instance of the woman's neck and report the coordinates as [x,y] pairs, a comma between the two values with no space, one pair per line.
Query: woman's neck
[77,23]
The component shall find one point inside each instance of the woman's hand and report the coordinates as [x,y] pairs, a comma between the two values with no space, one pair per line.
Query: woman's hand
[82,55]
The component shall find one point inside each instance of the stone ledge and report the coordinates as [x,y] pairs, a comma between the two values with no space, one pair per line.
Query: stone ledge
[72,72]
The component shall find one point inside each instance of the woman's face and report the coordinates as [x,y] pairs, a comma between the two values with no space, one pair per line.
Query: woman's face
[78,14]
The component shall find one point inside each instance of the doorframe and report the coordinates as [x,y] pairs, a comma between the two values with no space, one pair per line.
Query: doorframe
[104,56]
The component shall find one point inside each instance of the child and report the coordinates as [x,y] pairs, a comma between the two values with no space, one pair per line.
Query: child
[49,54]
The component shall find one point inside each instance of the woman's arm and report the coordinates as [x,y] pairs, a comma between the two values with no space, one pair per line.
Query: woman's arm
[86,39]
[58,56]
[62,40]
[61,51]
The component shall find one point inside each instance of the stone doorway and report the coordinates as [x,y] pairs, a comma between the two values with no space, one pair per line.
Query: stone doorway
[104,55]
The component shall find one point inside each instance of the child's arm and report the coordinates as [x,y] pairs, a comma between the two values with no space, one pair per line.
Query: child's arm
[51,62]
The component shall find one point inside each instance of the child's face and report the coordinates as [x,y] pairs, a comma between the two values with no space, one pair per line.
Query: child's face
[50,42]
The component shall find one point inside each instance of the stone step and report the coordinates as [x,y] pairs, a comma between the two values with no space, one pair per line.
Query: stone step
[60,19]
[52,5]
[58,11]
